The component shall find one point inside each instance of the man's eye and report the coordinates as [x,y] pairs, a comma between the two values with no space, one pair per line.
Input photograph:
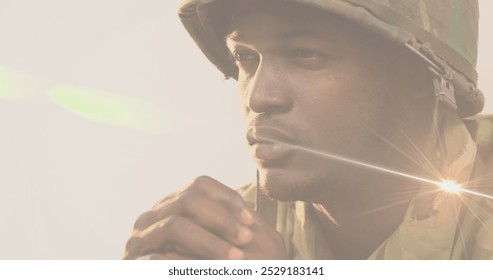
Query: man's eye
[309,59]
[244,56]
[305,53]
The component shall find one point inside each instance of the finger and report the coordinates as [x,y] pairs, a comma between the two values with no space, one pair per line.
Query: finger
[171,207]
[221,221]
[165,200]
[177,231]
[206,213]
[262,230]
[259,224]
[223,194]
[177,204]
[266,242]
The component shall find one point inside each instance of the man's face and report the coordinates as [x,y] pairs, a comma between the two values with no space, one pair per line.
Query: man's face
[308,80]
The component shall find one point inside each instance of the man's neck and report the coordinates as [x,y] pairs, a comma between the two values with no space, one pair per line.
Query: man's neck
[355,229]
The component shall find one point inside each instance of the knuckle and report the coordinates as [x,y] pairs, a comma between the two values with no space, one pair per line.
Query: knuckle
[142,220]
[175,228]
[199,182]
[202,179]
[227,227]
[171,226]
[189,199]
[132,244]
[161,202]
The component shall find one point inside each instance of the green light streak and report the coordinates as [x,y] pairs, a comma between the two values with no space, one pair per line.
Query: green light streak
[109,108]
[13,85]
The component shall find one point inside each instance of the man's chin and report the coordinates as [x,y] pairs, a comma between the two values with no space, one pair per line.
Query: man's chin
[286,186]
[278,193]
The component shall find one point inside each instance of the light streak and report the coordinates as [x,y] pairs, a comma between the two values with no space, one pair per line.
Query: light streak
[446,185]
[357,163]
[15,85]
[476,193]
[110,108]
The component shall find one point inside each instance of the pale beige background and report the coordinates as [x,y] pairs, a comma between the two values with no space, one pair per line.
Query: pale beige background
[70,187]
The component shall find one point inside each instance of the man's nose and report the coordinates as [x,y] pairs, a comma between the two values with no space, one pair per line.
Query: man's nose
[268,90]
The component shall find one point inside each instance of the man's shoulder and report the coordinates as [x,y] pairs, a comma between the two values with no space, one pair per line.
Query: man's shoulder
[481,129]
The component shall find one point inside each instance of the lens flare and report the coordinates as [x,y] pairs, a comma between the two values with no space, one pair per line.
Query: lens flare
[451,187]
[110,108]
[446,186]
[16,85]
[354,162]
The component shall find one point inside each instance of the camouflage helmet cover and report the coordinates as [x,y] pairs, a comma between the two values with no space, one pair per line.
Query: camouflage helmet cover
[442,32]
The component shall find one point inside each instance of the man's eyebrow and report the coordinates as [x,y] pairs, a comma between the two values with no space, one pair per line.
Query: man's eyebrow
[283,35]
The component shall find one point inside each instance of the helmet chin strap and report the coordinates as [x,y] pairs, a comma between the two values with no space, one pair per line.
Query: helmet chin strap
[442,86]
[444,103]
[444,90]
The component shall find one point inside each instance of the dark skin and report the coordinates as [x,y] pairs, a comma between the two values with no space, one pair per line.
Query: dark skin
[322,85]
[207,220]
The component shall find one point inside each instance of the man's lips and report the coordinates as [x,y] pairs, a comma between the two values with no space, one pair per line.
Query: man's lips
[269,143]
[267,135]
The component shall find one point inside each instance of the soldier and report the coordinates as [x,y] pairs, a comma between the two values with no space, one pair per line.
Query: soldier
[359,118]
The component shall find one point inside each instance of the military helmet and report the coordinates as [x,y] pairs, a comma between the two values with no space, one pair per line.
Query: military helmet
[443,33]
